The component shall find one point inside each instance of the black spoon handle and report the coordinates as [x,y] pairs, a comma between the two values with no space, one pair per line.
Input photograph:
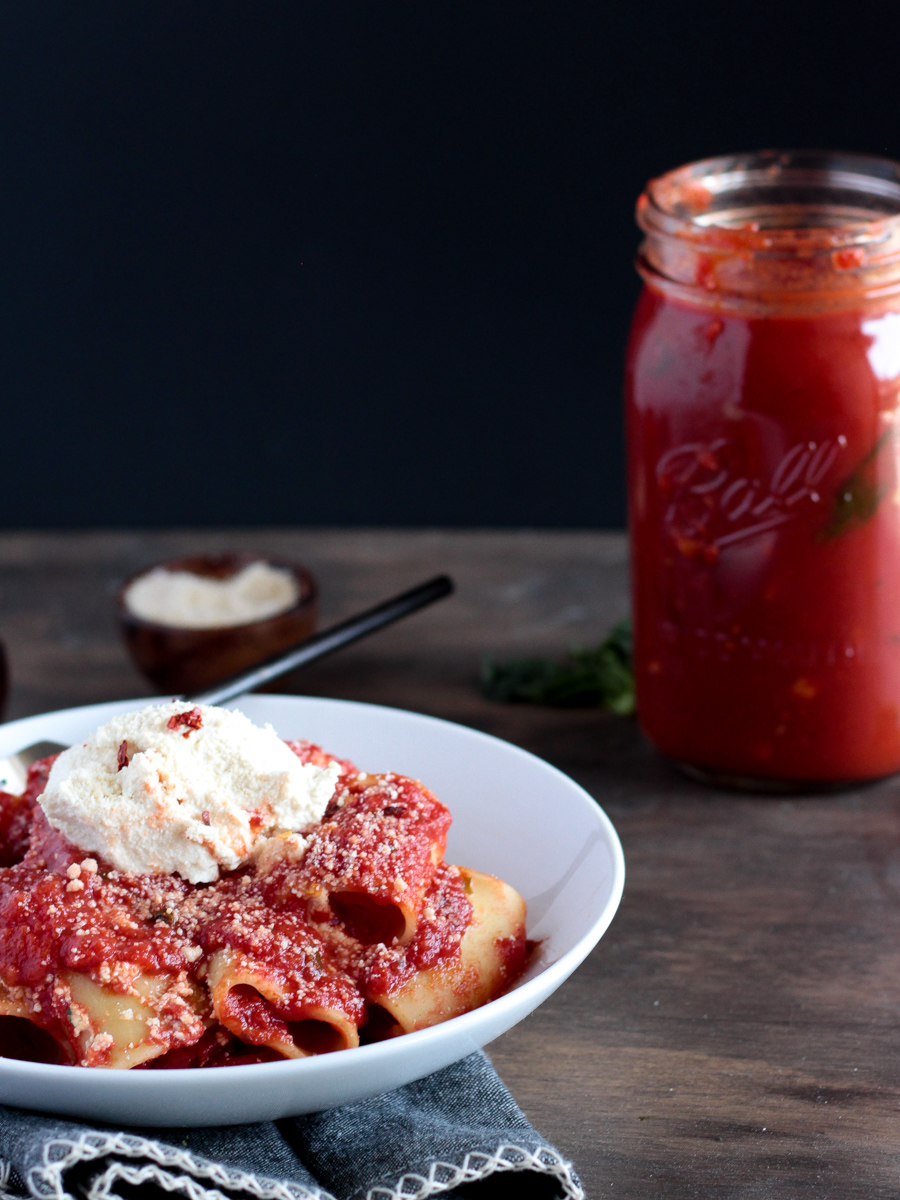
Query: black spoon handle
[327,641]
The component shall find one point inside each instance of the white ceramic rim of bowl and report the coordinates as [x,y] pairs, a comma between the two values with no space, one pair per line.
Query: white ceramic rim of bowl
[192,1097]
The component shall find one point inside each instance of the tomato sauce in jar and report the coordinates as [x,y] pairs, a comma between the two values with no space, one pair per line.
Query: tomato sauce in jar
[762,389]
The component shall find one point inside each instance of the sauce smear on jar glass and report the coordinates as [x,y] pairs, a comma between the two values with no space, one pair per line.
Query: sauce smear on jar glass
[763,379]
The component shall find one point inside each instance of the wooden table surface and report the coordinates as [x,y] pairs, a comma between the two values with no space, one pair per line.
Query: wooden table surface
[734,1034]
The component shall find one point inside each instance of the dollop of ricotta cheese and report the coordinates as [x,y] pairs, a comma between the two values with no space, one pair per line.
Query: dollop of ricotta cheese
[172,788]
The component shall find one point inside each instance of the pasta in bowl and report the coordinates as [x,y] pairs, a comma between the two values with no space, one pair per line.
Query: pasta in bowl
[338,935]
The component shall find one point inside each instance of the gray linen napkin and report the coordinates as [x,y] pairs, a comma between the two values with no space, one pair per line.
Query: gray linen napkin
[456,1134]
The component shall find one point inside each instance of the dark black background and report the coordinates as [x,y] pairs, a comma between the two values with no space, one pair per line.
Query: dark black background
[335,263]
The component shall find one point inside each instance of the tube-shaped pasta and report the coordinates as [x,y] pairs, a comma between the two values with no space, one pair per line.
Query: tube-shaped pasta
[103,1027]
[108,1028]
[354,921]
[370,862]
[12,1002]
[256,1005]
[491,954]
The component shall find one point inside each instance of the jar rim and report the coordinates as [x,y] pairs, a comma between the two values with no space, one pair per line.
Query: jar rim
[775,230]
[747,200]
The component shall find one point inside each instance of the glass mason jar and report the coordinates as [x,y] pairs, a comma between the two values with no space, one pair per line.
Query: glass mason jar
[762,390]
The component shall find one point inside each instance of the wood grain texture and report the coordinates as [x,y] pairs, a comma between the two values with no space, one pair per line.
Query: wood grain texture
[735,1034]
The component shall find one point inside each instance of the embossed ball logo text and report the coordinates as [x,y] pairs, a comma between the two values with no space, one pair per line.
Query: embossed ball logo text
[712,505]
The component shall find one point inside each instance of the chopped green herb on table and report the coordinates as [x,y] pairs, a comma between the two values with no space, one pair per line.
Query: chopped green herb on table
[601,676]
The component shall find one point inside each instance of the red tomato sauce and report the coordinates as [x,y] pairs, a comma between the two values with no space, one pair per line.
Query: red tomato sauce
[217,1048]
[446,914]
[62,909]
[16,812]
[766,538]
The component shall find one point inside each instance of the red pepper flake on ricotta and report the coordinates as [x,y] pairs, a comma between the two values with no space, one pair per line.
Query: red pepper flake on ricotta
[192,719]
[194,807]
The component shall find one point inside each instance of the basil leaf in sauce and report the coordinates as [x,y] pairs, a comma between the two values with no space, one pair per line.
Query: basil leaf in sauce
[858,497]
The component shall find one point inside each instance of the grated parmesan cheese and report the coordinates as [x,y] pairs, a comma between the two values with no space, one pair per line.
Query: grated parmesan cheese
[187,601]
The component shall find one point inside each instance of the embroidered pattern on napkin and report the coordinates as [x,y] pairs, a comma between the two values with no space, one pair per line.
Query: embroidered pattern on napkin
[451,1130]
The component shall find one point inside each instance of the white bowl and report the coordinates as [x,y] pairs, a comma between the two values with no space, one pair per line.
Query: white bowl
[513,816]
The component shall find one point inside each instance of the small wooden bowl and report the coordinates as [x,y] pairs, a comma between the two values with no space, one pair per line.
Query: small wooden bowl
[178,660]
